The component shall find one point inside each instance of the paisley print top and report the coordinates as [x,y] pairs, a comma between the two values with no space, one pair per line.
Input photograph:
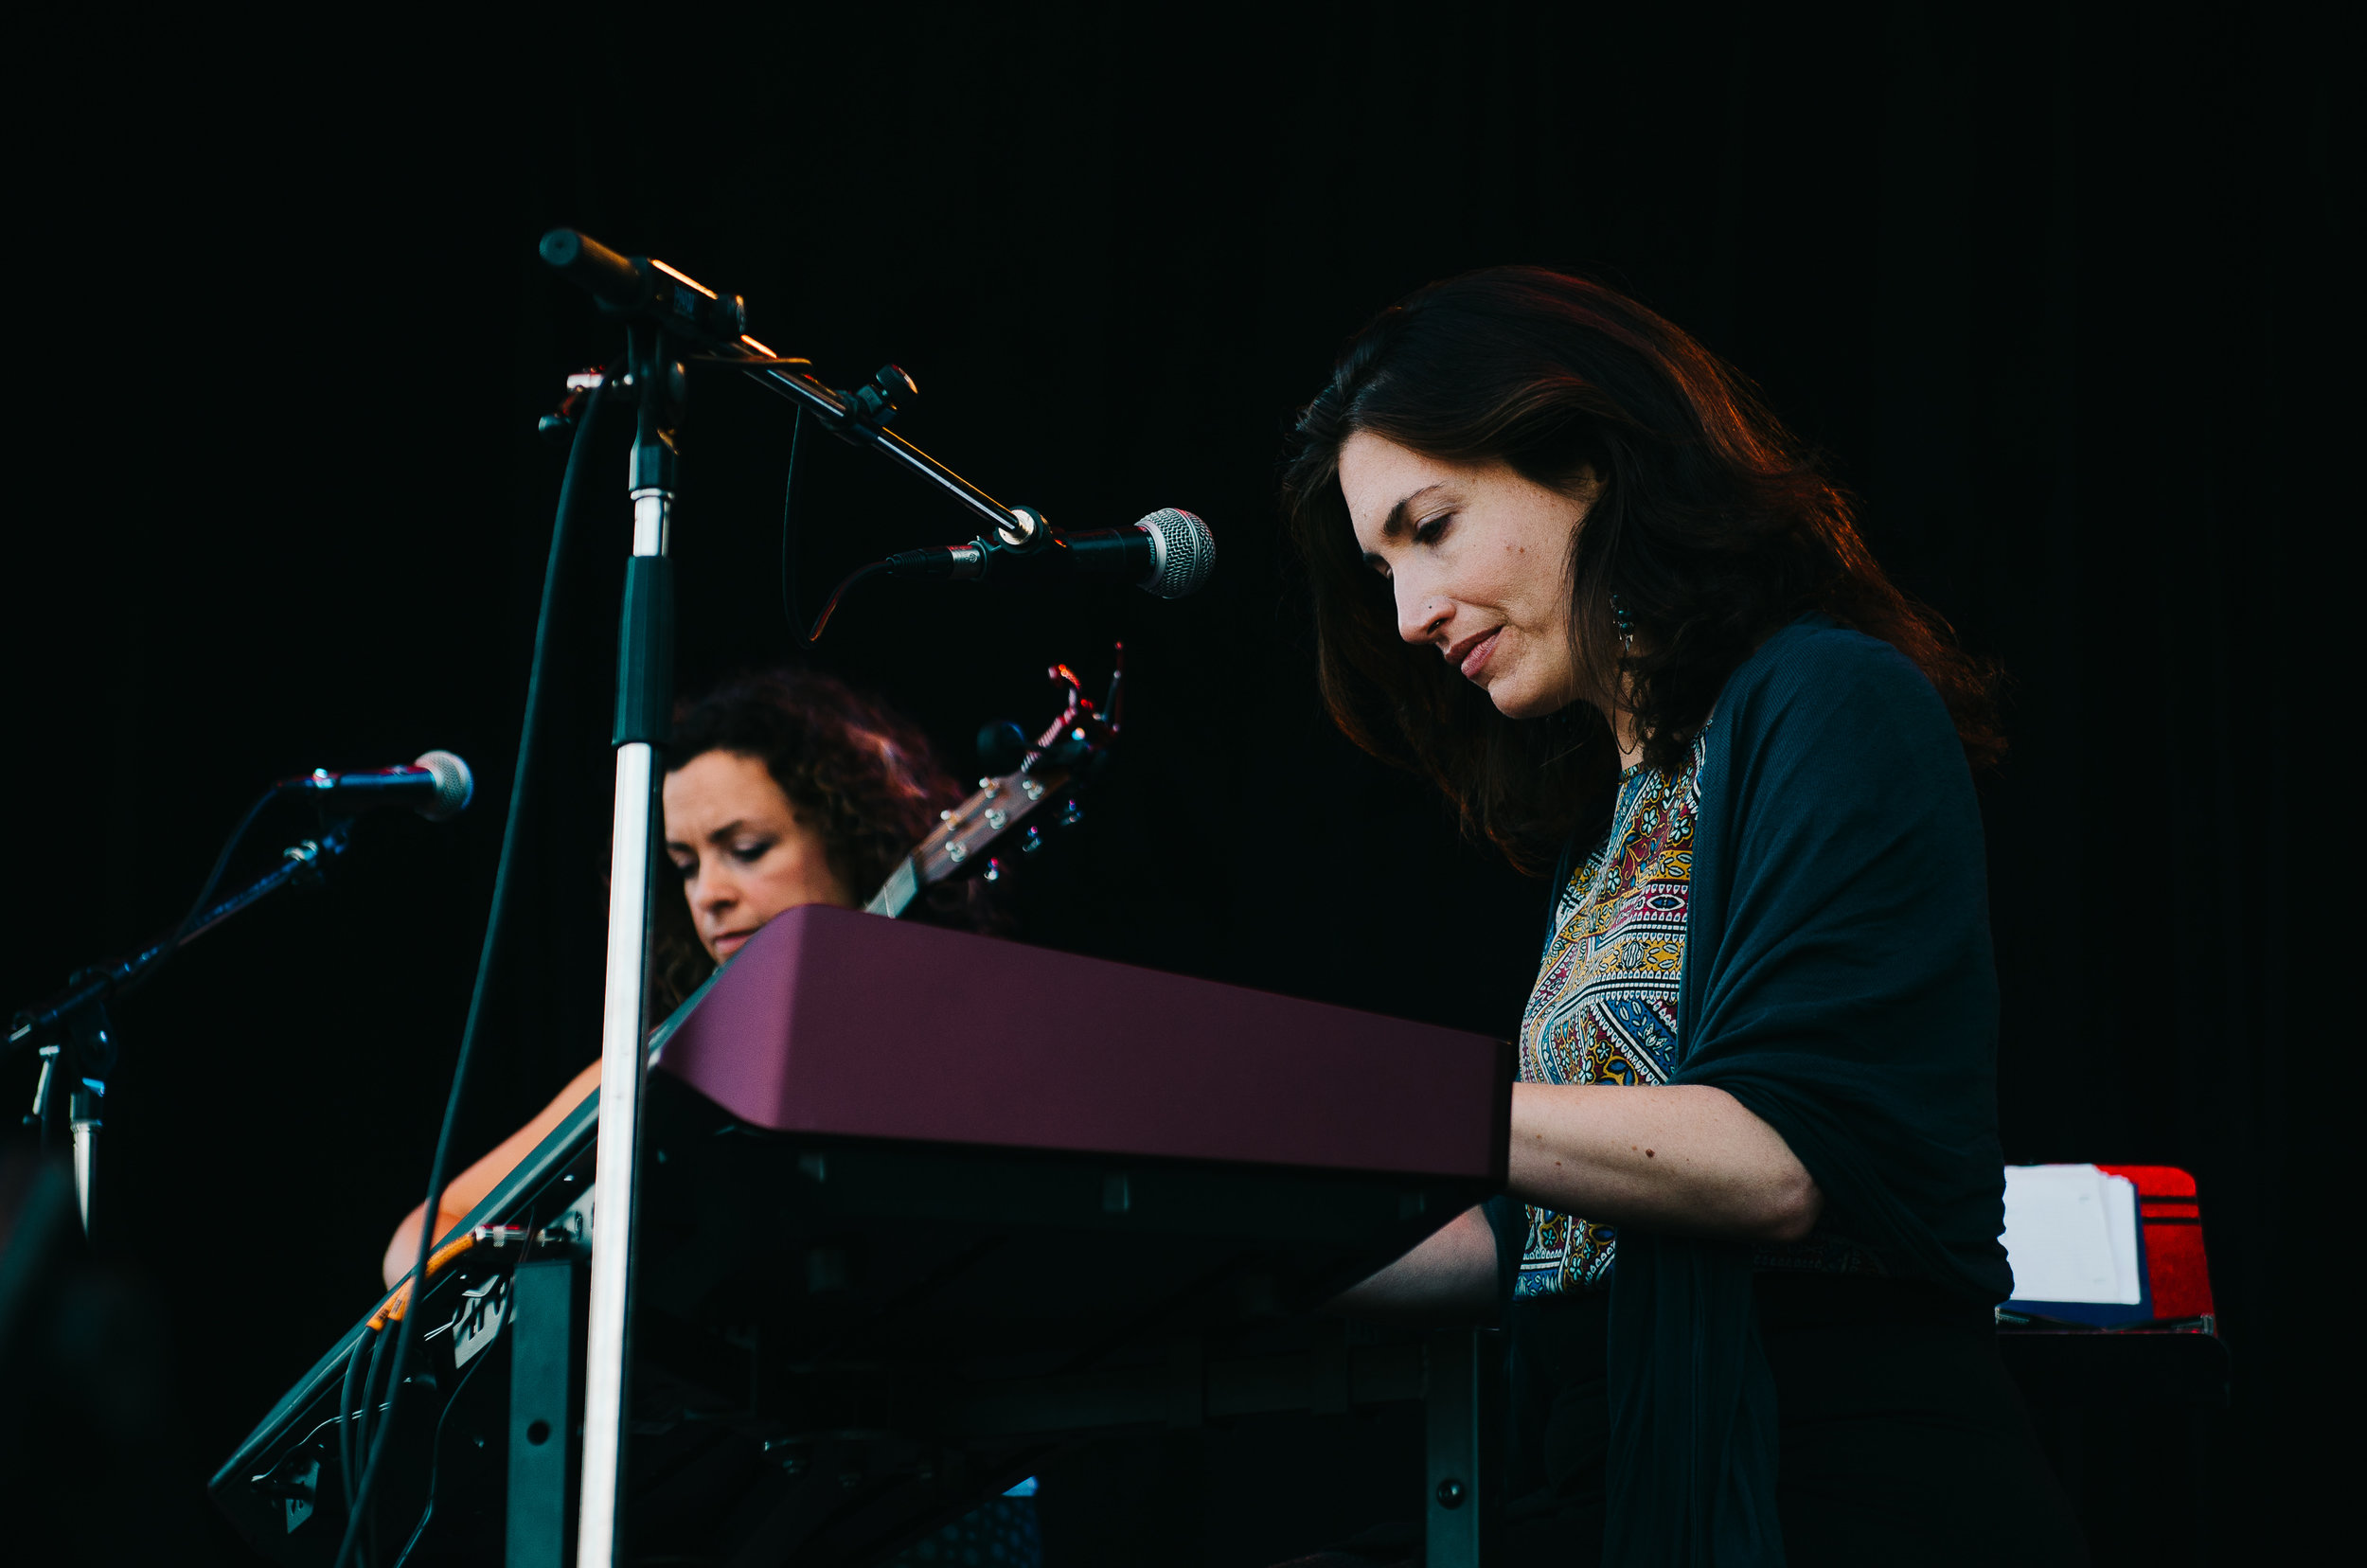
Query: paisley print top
[1603,1009]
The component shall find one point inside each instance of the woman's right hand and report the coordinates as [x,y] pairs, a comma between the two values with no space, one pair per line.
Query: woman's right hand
[1450,1276]
[403,1253]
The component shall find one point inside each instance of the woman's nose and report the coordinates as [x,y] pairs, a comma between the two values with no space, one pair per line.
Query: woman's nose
[711,893]
[1421,615]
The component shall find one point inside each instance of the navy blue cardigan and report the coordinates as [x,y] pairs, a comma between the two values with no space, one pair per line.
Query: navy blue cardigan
[1837,982]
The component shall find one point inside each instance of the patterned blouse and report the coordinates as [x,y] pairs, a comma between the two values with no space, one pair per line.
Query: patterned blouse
[1603,1009]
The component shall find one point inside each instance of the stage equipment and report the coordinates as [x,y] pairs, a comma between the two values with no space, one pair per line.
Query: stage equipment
[2158,1375]
[2164,1350]
[439,786]
[1169,553]
[73,1031]
[673,321]
[920,1210]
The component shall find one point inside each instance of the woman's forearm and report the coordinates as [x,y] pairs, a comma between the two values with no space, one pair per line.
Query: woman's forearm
[1686,1157]
[1450,1276]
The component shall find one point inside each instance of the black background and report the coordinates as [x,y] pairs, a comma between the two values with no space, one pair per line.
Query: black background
[2053,286]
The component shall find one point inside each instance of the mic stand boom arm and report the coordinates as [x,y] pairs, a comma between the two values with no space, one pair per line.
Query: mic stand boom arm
[71,1028]
[300,865]
[849,425]
[695,317]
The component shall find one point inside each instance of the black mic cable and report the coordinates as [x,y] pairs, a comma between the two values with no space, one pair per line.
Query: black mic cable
[809,636]
[439,786]
[205,894]
[406,1327]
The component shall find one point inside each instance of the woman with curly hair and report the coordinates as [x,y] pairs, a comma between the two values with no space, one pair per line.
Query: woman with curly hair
[788,789]
[1566,565]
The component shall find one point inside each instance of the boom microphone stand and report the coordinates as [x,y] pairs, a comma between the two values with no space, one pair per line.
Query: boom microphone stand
[671,316]
[75,1035]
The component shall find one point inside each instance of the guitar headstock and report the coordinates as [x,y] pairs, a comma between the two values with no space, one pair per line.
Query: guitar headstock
[1010,810]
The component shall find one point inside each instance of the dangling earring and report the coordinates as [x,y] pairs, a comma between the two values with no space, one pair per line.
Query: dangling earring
[1627,624]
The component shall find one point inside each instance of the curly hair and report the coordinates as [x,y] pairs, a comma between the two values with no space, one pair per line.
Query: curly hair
[1708,521]
[856,771]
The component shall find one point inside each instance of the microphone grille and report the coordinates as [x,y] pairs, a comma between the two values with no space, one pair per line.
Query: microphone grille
[1183,550]
[455,785]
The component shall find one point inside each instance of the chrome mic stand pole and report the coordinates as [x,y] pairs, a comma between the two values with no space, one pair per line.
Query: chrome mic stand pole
[672,315]
[644,694]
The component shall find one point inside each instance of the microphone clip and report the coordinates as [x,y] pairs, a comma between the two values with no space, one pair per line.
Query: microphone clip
[1024,537]
[873,406]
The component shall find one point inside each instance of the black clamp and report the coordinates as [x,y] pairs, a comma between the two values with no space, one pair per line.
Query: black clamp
[873,408]
[644,685]
[558,426]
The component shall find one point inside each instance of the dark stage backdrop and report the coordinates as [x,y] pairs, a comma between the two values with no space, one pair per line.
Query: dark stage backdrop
[2052,285]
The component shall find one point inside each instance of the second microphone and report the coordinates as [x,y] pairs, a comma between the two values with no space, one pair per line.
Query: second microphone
[1169,553]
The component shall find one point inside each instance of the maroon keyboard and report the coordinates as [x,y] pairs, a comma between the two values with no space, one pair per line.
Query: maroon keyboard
[836,1023]
[918,1208]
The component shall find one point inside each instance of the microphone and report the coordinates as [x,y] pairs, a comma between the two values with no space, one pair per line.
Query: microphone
[1169,553]
[439,786]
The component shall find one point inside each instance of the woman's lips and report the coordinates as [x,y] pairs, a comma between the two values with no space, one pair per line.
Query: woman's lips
[731,942]
[1475,658]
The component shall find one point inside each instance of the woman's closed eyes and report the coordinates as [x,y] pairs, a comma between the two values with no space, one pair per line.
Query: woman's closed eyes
[745,853]
[1427,531]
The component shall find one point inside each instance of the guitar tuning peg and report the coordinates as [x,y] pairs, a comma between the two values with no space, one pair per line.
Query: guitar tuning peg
[993,871]
[1072,814]
[1033,842]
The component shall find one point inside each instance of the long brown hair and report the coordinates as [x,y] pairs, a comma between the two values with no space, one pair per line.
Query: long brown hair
[1712,527]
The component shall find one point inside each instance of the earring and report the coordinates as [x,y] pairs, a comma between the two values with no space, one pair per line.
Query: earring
[1627,623]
